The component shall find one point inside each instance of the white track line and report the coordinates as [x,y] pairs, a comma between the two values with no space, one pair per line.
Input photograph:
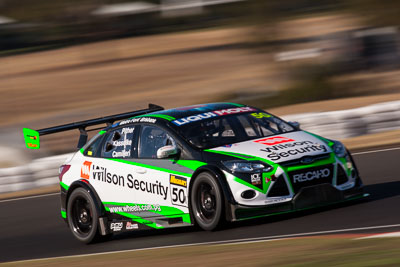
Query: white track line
[220,243]
[22,198]
[376,151]
[384,235]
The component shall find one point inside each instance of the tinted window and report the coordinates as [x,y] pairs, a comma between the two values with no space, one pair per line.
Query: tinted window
[151,139]
[119,143]
[92,148]
[223,130]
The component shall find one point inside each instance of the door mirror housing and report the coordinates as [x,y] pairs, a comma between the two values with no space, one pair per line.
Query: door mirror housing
[167,152]
[295,124]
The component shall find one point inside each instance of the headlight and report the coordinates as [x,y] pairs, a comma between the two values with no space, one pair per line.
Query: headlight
[339,149]
[247,166]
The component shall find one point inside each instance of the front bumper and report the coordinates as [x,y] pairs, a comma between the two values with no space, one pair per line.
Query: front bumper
[307,198]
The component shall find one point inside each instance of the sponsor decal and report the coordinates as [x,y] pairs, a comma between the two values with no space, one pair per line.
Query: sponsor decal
[141,119]
[130,226]
[136,208]
[177,180]
[256,178]
[103,175]
[212,114]
[127,130]
[85,170]
[125,142]
[121,154]
[117,226]
[311,175]
[229,111]
[270,141]
[260,115]
[292,149]
[178,186]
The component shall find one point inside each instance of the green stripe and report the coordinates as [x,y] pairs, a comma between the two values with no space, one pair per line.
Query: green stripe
[190,164]
[151,167]
[64,214]
[66,187]
[162,116]
[329,142]
[232,154]
[166,211]
[235,104]
[329,160]
[102,132]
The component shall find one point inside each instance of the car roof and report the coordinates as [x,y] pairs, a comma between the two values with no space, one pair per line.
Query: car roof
[182,112]
[177,113]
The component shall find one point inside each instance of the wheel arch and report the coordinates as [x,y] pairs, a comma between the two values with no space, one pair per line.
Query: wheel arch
[97,201]
[221,179]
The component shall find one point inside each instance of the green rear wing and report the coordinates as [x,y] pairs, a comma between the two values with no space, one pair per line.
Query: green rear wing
[32,137]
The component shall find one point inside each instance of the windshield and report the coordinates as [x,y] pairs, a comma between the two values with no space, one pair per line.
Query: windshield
[225,130]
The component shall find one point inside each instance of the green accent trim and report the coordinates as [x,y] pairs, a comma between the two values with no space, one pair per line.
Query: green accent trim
[151,167]
[264,190]
[232,154]
[102,132]
[31,137]
[161,116]
[140,220]
[166,211]
[82,150]
[190,164]
[66,187]
[235,104]
[308,208]
[64,214]
[329,142]
[329,160]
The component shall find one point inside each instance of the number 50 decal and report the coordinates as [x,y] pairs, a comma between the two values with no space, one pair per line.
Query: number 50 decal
[178,190]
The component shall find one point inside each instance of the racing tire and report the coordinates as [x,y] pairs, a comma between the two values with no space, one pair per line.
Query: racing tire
[82,216]
[206,202]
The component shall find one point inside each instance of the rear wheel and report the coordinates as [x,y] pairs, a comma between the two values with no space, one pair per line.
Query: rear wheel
[206,202]
[82,216]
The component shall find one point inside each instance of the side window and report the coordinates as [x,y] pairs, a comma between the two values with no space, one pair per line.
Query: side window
[93,147]
[119,142]
[151,139]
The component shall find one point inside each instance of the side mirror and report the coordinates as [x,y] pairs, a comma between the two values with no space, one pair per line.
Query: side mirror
[167,151]
[295,124]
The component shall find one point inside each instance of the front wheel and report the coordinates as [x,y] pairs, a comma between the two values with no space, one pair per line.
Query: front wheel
[206,202]
[82,216]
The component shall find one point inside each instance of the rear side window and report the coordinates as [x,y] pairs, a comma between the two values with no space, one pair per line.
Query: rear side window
[119,143]
[92,149]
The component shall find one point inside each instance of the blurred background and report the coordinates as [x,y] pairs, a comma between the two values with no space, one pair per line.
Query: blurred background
[69,60]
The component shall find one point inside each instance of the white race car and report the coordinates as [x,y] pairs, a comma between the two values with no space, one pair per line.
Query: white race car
[201,164]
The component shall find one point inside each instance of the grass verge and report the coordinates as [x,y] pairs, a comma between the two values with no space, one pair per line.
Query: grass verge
[312,251]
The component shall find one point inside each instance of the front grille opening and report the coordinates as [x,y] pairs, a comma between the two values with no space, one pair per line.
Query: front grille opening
[341,177]
[279,188]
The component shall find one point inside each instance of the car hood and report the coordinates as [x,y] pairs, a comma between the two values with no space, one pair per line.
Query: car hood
[280,148]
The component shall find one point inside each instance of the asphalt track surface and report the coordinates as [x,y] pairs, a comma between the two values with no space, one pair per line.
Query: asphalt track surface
[32,228]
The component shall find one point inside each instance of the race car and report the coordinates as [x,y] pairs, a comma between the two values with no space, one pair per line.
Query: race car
[196,165]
